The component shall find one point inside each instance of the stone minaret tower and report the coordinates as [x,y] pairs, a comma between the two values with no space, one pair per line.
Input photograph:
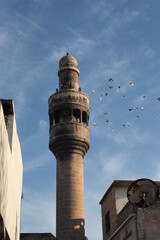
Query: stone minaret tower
[69,142]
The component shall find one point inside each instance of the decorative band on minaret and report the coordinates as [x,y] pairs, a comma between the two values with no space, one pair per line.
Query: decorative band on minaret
[69,142]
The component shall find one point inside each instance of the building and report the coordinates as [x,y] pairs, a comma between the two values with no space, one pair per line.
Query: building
[37,236]
[123,221]
[11,171]
[69,142]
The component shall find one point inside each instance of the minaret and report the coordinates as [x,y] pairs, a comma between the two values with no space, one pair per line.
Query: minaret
[69,142]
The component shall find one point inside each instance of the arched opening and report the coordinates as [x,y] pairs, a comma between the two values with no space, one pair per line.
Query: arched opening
[57,117]
[66,115]
[76,115]
[84,118]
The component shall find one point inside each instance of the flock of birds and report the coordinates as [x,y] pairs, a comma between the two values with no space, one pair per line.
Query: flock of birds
[112,87]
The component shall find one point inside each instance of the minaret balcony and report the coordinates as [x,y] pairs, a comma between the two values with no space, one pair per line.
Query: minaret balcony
[69,97]
[69,137]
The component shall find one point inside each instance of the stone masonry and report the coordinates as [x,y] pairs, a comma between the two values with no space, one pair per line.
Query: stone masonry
[69,142]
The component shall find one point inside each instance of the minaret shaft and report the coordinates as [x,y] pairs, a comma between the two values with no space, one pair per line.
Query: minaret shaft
[70,197]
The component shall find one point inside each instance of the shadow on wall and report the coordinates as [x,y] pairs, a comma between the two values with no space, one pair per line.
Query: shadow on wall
[35,236]
[74,230]
[1,227]
[3,175]
[79,229]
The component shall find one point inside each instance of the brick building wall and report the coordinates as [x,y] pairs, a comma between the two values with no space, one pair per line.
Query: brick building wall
[148,222]
[109,206]
[128,223]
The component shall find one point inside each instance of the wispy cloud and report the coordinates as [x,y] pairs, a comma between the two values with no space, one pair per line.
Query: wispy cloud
[118,165]
[76,45]
[156,168]
[149,52]
[4,38]
[131,137]
[109,163]
[37,162]
[41,131]
[20,101]
[130,15]
[57,54]
[16,66]
[40,154]
[114,18]
[40,3]
[92,213]
[43,124]
[101,8]
[38,211]
[119,21]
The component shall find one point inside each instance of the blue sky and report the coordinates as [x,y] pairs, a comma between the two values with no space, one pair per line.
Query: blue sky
[118,39]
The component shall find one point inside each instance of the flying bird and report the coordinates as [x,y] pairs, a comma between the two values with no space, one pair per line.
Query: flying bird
[144,96]
[101,95]
[126,125]
[111,87]
[158,98]
[131,84]
[117,88]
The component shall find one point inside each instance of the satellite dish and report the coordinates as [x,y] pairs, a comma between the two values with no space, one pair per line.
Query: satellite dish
[143,193]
